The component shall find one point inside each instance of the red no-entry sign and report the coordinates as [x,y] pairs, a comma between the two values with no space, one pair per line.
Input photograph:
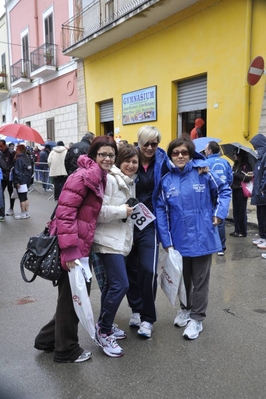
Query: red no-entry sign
[256,70]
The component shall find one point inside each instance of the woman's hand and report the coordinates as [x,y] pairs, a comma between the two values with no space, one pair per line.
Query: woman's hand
[167,249]
[71,264]
[216,221]
[129,210]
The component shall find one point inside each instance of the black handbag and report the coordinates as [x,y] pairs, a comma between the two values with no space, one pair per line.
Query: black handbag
[42,258]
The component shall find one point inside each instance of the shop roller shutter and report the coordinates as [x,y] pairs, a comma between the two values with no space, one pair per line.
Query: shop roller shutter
[107,111]
[192,94]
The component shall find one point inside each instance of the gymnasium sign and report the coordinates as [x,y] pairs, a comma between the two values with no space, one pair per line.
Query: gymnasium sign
[140,106]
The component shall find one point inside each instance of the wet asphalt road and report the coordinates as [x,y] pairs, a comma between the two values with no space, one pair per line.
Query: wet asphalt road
[227,361]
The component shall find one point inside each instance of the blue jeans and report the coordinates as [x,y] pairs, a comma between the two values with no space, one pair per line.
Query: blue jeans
[114,290]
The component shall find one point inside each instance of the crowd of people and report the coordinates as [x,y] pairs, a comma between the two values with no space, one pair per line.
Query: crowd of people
[97,183]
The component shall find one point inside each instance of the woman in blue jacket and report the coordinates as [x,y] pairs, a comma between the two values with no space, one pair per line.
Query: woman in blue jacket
[192,203]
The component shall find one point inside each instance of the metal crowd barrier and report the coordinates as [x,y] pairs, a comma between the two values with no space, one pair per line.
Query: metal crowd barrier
[41,176]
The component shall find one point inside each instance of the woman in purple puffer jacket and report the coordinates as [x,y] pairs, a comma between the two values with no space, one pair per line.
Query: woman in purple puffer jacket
[78,208]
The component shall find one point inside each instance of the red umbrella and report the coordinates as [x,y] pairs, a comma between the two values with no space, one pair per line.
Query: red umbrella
[22,132]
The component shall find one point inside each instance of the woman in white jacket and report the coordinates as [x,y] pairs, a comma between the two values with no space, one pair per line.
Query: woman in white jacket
[56,163]
[112,243]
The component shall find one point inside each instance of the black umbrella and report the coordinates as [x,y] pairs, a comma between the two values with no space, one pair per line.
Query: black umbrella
[230,148]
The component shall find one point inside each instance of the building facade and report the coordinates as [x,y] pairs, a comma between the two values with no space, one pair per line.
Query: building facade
[5,101]
[166,63]
[44,83]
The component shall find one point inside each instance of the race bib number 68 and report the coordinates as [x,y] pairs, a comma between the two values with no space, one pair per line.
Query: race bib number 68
[142,216]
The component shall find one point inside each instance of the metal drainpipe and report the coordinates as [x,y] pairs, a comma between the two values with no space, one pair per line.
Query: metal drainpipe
[36,22]
[37,45]
[39,94]
[248,30]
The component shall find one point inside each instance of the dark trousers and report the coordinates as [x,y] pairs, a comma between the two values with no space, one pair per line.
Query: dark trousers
[142,273]
[61,333]
[2,202]
[114,289]
[261,216]
[196,272]
[9,185]
[221,230]
[59,182]
[240,211]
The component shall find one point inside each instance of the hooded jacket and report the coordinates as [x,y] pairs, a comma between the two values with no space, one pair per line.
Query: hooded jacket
[112,234]
[259,186]
[78,208]
[187,203]
[221,167]
[196,131]
[56,161]
[6,162]
[22,170]
[73,153]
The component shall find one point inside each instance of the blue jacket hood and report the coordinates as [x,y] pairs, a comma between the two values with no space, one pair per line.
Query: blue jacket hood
[259,143]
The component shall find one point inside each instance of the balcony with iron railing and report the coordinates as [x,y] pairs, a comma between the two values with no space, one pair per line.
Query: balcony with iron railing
[20,73]
[43,60]
[92,29]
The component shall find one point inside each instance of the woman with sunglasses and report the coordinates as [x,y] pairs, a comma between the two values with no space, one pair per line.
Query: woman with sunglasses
[142,260]
[78,208]
[192,203]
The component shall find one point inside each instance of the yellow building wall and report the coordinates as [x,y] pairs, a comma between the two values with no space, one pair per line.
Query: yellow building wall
[219,38]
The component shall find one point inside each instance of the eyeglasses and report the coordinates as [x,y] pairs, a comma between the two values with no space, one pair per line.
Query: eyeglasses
[103,155]
[153,145]
[184,153]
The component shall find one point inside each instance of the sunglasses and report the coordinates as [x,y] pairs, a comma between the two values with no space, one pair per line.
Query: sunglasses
[184,153]
[153,145]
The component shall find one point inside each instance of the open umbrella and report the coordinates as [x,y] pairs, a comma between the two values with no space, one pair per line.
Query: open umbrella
[229,149]
[201,142]
[50,143]
[24,132]
[10,139]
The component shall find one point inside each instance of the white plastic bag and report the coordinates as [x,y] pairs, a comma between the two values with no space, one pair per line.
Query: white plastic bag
[14,194]
[170,270]
[81,299]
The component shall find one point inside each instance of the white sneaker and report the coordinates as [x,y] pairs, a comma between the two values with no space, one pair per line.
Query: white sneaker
[10,212]
[135,320]
[258,241]
[193,329]
[145,329]
[117,333]
[108,343]
[182,318]
[221,253]
[263,256]
[86,355]
[21,216]
[262,245]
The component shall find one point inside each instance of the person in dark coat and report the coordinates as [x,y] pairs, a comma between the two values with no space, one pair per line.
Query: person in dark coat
[242,171]
[6,164]
[44,168]
[76,150]
[259,188]
[22,180]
